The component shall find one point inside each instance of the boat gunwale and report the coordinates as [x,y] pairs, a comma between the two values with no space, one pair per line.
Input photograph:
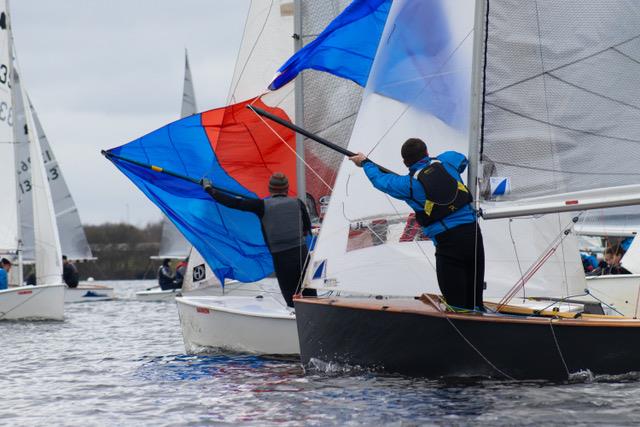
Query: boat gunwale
[188,301]
[425,309]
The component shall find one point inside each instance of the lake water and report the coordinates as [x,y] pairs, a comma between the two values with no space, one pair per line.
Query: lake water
[123,363]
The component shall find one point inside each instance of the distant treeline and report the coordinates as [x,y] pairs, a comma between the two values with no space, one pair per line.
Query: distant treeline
[123,251]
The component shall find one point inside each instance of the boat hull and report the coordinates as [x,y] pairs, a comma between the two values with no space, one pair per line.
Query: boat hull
[238,324]
[403,337]
[88,293]
[267,286]
[44,302]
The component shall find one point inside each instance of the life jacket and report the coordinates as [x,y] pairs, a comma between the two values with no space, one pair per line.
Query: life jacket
[282,223]
[444,194]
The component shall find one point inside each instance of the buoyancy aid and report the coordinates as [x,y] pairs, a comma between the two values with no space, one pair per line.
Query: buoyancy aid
[282,223]
[444,194]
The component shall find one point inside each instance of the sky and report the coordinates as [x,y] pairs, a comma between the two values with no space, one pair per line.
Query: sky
[102,73]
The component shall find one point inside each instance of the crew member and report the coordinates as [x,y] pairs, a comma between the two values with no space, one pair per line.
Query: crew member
[285,223]
[181,270]
[435,191]
[69,273]
[165,276]
[612,258]
[5,267]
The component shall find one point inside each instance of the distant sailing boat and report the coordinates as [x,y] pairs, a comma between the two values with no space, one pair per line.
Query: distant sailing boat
[73,240]
[544,101]
[45,301]
[173,245]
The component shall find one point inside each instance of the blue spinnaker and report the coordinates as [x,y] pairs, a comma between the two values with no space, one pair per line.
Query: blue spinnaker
[220,145]
[345,48]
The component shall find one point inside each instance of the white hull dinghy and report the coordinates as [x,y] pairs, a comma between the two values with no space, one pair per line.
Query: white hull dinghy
[157,294]
[89,293]
[44,302]
[257,325]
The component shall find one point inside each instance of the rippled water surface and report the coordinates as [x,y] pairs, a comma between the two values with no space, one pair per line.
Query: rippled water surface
[123,363]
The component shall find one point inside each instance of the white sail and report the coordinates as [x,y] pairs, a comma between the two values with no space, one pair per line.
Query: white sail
[48,254]
[9,224]
[419,87]
[73,240]
[172,243]
[560,105]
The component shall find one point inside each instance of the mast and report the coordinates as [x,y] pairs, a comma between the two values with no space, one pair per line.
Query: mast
[15,145]
[299,104]
[474,175]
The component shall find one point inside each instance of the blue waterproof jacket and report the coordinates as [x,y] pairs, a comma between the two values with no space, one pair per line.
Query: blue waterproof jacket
[4,280]
[401,187]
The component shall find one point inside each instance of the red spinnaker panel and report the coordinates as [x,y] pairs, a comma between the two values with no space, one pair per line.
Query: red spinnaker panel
[248,149]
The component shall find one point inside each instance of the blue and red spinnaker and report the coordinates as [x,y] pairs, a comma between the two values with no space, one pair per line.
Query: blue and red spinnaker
[234,149]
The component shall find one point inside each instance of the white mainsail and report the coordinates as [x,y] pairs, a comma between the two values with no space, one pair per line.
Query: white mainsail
[9,224]
[419,87]
[172,243]
[554,123]
[73,240]
[48,254]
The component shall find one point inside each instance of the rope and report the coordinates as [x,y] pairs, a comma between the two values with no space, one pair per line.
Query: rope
[504,374]
[555,339]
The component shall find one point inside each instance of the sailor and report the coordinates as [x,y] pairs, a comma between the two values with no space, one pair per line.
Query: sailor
[181,270]
[285,223]
[69,273]
[165,276]
[612,258]
[5,267]
[435,191]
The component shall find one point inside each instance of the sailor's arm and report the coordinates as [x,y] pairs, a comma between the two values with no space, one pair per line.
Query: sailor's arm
[397,186]
[235,202]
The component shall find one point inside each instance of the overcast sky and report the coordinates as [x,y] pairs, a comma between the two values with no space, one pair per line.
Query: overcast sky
[102,73]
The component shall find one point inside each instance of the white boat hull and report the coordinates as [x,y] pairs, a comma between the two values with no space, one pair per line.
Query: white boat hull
[89,293]
[256,325]
[157,294]
[620,291]
[44,302]
[268,286]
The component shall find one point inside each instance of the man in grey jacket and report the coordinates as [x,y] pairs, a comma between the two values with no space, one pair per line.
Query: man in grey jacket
[285,223]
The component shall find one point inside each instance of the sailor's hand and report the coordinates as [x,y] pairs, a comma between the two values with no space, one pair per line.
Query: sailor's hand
[358,159]
[206,184]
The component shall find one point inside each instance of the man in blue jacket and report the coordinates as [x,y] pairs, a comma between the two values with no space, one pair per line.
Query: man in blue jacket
[5,267]
[435,191]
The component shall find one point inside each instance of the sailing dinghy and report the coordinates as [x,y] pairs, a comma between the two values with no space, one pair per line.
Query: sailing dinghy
[45,301]
[544,100]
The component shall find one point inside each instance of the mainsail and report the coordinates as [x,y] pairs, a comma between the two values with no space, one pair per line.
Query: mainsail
[419,87]
[48,254]
[172,243]
[554,126]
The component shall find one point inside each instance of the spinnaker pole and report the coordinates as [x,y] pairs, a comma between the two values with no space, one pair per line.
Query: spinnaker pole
[159,169]
[309,135]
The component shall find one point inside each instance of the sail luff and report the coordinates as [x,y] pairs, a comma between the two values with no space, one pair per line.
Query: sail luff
[476,97]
